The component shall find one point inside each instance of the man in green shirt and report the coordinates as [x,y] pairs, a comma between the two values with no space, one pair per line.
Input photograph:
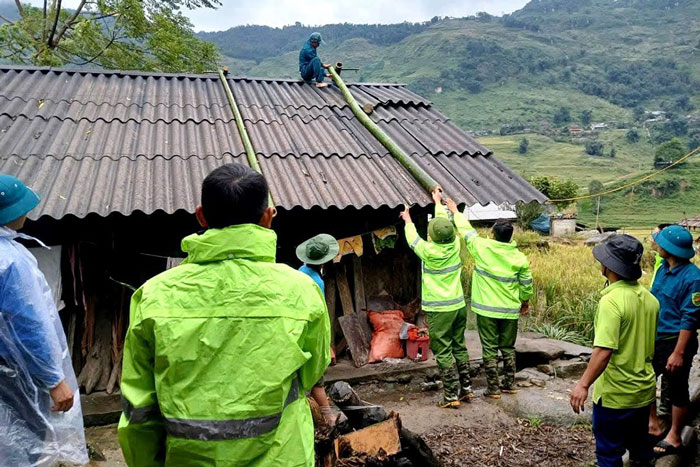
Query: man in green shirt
[621,363]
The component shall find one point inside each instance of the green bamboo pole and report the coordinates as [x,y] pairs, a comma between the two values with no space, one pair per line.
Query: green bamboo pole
[242,132]
[414,169]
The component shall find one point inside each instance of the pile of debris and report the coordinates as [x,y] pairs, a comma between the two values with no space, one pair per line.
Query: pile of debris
[366,435]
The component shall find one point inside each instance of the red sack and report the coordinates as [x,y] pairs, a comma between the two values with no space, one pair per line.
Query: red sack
[385,337]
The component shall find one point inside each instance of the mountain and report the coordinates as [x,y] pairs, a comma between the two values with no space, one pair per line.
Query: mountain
[608,56]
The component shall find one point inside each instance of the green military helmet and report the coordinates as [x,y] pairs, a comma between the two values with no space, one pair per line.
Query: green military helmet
[441,230]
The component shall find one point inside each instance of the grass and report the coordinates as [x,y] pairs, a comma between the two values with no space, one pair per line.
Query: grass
[534,422]
[567,282]
[546,156]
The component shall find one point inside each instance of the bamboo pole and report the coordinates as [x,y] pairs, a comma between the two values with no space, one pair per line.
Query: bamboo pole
[414,169]
[242,132]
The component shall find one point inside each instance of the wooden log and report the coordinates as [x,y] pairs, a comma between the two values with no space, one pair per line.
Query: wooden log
[96,373]
[379,439]
[358,345]
[341,277]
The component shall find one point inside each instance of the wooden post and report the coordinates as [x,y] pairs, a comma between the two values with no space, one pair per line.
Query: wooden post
[597,213]
[341,277]
[360,303]
[331,291]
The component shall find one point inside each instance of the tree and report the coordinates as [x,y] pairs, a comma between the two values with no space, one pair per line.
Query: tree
[694,139]
[670,151]
[684,103]
[524,143]
[562,116]
[612,152]
[151,35]
[586,116]
[632,135]
[527,212]
[595,187]
[639,113]
[554,188]
[594,148]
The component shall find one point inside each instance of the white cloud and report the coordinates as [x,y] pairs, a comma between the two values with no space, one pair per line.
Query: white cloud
[318,12]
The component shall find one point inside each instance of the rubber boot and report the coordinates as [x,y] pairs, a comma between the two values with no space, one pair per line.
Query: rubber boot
[450,388]
[508,381]
[491,370]
[465,382]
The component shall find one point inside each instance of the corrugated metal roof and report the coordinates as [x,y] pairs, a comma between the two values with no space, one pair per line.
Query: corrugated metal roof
[102,142]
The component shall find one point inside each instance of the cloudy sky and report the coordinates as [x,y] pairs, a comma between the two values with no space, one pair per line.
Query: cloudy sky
[318,12]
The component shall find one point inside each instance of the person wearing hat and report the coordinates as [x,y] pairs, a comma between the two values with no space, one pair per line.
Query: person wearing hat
[443,301]
[36,374]
[314,253]
[621,362]
[677,287]
[501,290]
[310,66]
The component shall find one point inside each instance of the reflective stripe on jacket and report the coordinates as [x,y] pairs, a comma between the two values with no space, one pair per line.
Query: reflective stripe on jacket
[441,270]
[218,353]
[501,280]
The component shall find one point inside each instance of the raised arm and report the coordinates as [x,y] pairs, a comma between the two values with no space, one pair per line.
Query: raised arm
[417,244]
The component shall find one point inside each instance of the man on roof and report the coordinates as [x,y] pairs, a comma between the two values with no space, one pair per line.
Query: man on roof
[310,66]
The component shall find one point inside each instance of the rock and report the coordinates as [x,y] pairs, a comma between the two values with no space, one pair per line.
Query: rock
[404,378]
[531,352]
[530,377]
[431,386]
[600,238]
[568,368]
[432,375]
[587,233]
[546,369]
[95,453]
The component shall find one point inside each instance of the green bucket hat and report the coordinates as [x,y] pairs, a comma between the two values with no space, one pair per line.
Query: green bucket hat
[441,230]
[318,250]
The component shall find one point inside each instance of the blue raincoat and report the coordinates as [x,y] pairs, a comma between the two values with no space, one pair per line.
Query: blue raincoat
[33,359]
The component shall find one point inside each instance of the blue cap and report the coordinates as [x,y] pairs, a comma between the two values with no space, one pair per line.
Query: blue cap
[16,200]
[316,37]
[677,241]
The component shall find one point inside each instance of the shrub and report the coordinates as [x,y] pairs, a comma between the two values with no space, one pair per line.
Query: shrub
[524,143]
[594,148]
[632,135]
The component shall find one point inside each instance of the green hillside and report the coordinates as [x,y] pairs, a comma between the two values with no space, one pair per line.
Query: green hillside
[614,60]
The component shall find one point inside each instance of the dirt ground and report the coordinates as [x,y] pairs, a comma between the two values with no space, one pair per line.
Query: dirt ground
[481,433]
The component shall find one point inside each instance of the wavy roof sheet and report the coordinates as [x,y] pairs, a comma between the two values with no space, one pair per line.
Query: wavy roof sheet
[103,142]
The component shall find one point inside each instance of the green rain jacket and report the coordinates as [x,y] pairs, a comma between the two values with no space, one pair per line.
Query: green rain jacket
[218,353]
[501,280]
[442,269]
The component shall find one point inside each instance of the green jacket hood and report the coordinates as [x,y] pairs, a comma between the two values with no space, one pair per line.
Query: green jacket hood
[246,241]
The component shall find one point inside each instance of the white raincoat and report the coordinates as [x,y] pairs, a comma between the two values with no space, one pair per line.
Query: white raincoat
[33,359]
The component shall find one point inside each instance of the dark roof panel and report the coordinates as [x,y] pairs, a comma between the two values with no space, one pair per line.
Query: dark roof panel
[101,142]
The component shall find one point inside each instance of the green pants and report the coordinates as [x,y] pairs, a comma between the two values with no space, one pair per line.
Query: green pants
[447,337]
[497,334]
